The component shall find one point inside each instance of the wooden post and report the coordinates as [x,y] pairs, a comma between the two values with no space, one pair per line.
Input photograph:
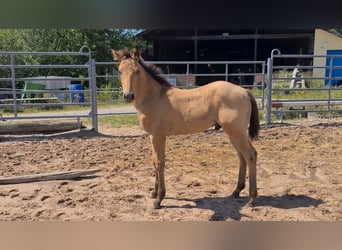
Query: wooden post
[47,176]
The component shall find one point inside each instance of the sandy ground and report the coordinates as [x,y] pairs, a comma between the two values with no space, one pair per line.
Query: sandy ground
[299,176]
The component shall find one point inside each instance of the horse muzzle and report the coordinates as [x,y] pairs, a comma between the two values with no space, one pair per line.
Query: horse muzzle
[129,97]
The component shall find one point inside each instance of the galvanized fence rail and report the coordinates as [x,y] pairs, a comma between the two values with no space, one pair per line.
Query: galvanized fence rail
[19,82]
[299,88]
[274,84]
[186,75]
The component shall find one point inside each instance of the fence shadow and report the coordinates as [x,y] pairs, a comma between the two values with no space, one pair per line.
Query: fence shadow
[230,207]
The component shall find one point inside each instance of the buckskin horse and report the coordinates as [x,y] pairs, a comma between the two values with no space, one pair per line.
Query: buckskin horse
[165,110]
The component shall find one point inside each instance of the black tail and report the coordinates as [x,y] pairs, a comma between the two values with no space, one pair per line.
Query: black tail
[254,125]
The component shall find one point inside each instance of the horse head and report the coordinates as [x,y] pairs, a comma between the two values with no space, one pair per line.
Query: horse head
[128,70]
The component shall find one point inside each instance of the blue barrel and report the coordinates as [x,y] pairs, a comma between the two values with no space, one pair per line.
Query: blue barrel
[75,94]
[335,72]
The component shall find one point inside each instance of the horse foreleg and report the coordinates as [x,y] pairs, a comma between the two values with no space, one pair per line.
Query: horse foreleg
[158,158]
[155,191]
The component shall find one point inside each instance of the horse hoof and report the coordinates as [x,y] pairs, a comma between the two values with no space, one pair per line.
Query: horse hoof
[156,205]
[250,203]
[236,194]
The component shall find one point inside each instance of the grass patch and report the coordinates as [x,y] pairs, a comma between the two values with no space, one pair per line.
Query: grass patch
[116,121]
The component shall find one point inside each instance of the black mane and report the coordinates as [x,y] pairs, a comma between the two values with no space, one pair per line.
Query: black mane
[155,72]
[152,70]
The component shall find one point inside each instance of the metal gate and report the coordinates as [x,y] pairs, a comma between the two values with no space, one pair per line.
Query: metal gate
[27,81]
[303,85]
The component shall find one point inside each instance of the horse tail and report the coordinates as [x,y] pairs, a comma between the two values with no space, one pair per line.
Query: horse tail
[254,125]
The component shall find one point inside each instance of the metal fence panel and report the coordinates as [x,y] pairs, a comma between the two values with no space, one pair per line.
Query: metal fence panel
[299,85]
[24,86]
[102,83]
[187,74]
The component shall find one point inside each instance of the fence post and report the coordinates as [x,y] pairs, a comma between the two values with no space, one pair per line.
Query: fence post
[226,72]
[263,80]
[269,91]
[187,75]
[94,117]
[269,86]
[331,65]
[14,91]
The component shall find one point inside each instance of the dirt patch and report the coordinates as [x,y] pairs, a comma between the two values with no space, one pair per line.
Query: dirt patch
[299,175]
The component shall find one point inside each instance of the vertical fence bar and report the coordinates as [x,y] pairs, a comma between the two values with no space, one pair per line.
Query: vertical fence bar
[92,75]
[331,65]
[14,92]
[187,74]
[226,77]
[262,85]
[269,91]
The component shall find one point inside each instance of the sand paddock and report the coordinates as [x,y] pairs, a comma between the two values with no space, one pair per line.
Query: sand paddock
[299,175]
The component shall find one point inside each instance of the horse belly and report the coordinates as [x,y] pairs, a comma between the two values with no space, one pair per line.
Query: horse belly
[191,128]
[190,123]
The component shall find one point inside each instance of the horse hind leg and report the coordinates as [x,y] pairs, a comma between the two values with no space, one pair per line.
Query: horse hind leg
[242,175]
[247,156]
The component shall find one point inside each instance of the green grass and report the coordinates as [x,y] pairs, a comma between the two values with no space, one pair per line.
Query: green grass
[115,121]
[316,89]
[307,94]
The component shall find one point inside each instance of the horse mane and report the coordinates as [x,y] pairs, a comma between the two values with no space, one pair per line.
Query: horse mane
[155,72]
[151,69]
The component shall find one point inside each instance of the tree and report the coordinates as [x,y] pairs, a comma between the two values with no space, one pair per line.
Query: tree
[100,42]
[14,40]
[337,32]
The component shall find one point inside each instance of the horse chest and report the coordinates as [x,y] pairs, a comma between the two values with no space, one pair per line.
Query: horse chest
[145,121]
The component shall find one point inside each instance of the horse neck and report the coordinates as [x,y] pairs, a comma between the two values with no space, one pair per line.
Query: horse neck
[146,89]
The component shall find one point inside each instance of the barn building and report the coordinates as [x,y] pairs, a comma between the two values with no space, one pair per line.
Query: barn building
[223,45]
[232,45]
[228,45]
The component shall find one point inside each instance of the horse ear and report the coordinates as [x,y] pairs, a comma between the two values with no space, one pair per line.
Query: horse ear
[116,55]
[136,54]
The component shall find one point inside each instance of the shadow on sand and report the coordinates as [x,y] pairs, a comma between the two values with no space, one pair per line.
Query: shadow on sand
[230,208]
